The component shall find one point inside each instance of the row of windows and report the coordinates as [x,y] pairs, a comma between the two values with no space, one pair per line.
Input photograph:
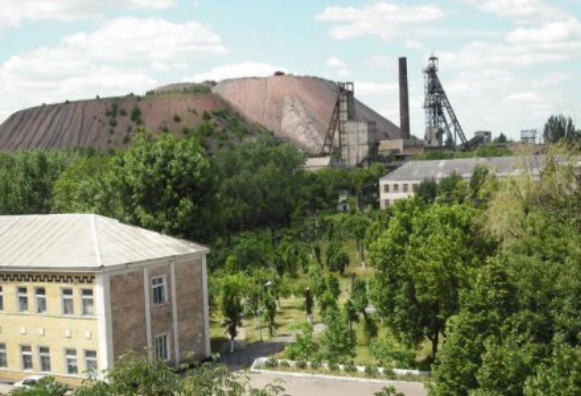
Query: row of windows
[44,360]
[395,187]
[40,301]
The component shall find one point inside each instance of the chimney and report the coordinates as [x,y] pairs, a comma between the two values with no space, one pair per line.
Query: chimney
[404,104]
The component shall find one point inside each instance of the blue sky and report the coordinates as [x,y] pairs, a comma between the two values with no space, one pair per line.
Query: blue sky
[507,65]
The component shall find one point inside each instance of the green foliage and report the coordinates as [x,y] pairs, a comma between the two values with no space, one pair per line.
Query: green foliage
[427,191]
[337,258]
[136,115]
[47,386]
[305,347]
[177,118]
[390,354]
[559,127]
[388,391]
[561,375]
[337,341]
[232,291]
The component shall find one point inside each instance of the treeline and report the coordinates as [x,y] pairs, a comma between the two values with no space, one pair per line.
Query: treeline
[172,185]
[489,271]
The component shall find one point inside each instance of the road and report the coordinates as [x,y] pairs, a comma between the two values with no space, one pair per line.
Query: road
[309,386]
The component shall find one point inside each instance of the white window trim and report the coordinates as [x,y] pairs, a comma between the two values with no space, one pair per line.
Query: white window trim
[22,358]
[66,363]
[83,298]
[72,298]
[18,295]
[36,298]
[167,346]
[40,355]
[165,291]
[95,359]
[5,351]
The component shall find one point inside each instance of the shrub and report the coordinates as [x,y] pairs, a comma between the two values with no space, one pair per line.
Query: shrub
[350,368]
[302,364]
[284,363]
[177,118]
[271,363]
[206,116]
[333,366]
[123,112]
[371,371]
[112,122]
[315,365]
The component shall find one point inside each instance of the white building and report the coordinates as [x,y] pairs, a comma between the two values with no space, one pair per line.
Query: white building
[404,181]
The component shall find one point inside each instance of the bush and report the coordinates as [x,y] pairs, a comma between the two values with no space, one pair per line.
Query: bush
[177,118]
[284,363]
[206,116]
[333,366]
[371,371]
[112,122]
[315,365]
[302,364]
[350,368]
[271,363]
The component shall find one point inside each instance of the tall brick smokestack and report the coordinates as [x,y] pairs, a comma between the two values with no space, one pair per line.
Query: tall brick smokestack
[404,103]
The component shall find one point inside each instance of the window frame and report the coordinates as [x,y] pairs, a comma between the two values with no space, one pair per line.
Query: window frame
[66,297]
[405,187]
[90,298]
[386,188]
[19,296]
[395,188]
[41,355]
[167,347]
[70,356]
[26,353]
[38,297]
[3,352]
[90,359]
[1,297]
[163,286]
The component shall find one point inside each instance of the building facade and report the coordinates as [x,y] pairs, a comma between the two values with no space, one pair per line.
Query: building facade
[78,291]
[403,182]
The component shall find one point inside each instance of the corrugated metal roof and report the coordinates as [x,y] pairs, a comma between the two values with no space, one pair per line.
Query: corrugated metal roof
[438,169]
[83,241]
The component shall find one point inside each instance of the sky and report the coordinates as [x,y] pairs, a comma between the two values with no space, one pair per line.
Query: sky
[506,65]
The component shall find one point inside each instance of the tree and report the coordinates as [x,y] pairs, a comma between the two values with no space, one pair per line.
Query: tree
[47,386]
[305,347]
[559,127]
[337,341]
[231,305]
[270,311]
[561,375]
[423,262]
[500,139]
[427,191]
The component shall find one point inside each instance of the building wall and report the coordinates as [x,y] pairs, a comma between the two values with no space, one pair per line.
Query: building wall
[136,320]
[395,190]
[50,329]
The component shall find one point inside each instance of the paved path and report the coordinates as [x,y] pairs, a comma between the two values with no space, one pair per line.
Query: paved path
[330,387]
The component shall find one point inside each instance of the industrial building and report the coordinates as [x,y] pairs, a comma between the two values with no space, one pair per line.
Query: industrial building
[404,181]
[77,291]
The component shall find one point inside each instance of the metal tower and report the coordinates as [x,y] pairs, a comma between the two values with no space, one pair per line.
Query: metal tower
[343,111]
[436,105]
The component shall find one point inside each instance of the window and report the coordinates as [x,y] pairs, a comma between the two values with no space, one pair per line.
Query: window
[22,299]
[68,305]
[1,299]
[387,203]
[3,356]
[71,361]
[87,296]
[386,188]
[44,357]
[91,361]
[405,187]
[396,188]
[40,293]
[158,286]
[161,348]
[26,353]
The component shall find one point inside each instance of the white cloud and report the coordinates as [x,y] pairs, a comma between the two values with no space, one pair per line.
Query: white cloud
[153,39]
[120,56]
[549,33]
[15,12]
[414,45]
[237,70]
[375,89]
[383,61]
[525,97]
[383,20]
[339,66]
[524,11]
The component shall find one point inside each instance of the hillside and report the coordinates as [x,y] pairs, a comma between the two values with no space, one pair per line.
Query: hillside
[295,108]
[110,122]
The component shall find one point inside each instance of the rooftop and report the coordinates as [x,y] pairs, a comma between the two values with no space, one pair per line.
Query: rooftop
[81,241]
[438,169]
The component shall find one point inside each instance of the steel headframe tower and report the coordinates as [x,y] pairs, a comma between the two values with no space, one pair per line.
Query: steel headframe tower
[436,105]
[343,111]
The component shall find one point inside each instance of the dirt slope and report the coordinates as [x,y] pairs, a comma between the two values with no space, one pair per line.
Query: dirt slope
[297,108]
[106,123]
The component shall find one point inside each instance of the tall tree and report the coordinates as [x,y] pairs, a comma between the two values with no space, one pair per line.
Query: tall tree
[559,127]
